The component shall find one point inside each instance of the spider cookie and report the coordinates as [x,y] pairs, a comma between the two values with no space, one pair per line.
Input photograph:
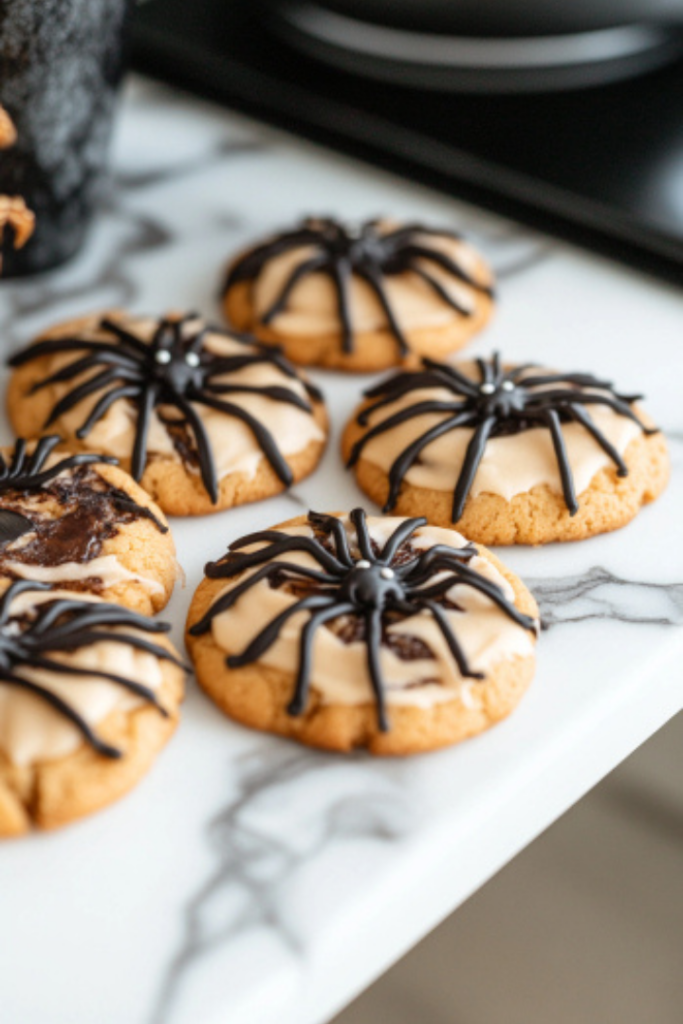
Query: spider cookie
[203,418]
[508,454]
[341,632]
[89,694]
[363,298]
[79,522]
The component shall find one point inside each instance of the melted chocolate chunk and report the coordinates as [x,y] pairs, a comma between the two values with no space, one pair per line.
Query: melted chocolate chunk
[93,512]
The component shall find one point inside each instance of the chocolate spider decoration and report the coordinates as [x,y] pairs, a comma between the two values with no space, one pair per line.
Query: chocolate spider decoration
[27,473]
[501,402]
[379,587]
[173,369]
[367,252]
[31,639]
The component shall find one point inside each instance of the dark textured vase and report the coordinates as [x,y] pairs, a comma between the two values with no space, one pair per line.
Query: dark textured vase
[60,64]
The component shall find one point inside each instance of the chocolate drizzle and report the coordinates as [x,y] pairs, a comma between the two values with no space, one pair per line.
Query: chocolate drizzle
[90,508]
[499,403]
[30,640]
[378,587]
[172,369]
[368,253]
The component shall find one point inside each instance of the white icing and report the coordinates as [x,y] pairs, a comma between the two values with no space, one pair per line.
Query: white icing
[30,730]
[510,465]
[312,307]
[234,446]
[339,670]
[106,568]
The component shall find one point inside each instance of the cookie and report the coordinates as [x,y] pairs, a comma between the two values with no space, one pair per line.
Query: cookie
[203,419]
[360,299]
[80,523]
[508,455]
[343,632]
[89,694]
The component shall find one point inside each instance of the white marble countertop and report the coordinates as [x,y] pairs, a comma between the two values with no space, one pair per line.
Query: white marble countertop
[248,880]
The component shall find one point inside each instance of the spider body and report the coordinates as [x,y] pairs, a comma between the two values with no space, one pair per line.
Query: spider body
[31,639]
[374,586]
[367,251]
[501,402]
[174,370]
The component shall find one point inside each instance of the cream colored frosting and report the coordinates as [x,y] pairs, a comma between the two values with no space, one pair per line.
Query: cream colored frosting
[234,447]
[30,730]
[313,305]
[339,670]
[510,465]
[106,568]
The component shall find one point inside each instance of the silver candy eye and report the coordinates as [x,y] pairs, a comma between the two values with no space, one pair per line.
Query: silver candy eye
[162,356]
[507,385]
[363,564]
[487,389]
[192,359]
[387,573]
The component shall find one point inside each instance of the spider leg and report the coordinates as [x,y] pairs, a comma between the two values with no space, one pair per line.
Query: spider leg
[317,619]
[89,387]
[277,393]
[341,275]
[398,537]
[16,588]
[57,345]
[451,639]
[146,400]
[552,421]
[227,600]
[207,465]
[64,709]
[441,292]
[270,633]
[373,640]
[422,567]
[87,615]
[82,459]
[613,403]
[372,278]
[303,269]
[405,460]
[473,456]
[585,380]
[94,636]
[103,404]
[395,420]
[42,451]
[451,376]
[282,542]
[582,417]
[466,576]
[336,528]
[50,665]
[248,266]
[410,382]
[18,457]
[406,230]
[265,439]
[126,336]
[358,518]
[80,366]
[447,263]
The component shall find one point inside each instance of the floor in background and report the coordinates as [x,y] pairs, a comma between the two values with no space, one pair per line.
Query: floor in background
[584,927]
